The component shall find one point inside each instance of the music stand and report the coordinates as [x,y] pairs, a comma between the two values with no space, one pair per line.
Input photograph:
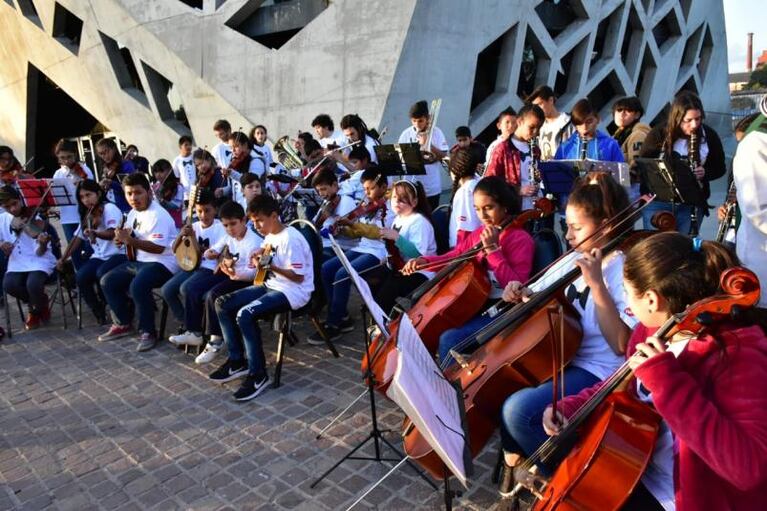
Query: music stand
[400,159]
[664,179]
[45,193]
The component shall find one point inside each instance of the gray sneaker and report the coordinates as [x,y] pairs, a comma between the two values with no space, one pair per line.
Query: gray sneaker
[146,342]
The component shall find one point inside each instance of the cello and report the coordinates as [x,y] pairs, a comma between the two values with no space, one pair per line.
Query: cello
[522,348]
[453,296]
[617,431]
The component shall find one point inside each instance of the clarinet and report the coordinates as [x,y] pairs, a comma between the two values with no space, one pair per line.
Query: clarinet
[584,148]
[728,222]
[693,158]
[535,158]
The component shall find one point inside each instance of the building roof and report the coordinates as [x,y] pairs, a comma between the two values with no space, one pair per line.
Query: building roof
[740,77]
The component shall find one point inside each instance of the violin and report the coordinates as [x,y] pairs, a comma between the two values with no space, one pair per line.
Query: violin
[326,210]
[521,348]
[613,432]
[27,225]
[452,297]
[240,162]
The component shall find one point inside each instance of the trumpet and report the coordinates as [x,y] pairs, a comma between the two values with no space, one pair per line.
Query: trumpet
[286,154]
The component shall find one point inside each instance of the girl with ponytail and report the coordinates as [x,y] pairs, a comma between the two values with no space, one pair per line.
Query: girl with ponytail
[711,451]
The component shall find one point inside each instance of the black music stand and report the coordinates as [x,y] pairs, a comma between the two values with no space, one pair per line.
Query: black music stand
[400,159]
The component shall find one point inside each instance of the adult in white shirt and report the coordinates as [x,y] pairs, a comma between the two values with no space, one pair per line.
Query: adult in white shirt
[326,132]
[183,165]
[149,231]
[433,154]
[557,126]
[749,170]
[222,151]
[73,171]
[506,124]
[355,129]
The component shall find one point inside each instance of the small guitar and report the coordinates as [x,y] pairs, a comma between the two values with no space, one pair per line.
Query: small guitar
[225,258]
[187,251]
[264,264]
[130,252]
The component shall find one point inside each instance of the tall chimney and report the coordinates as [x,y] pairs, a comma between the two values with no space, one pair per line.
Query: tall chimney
[750,53]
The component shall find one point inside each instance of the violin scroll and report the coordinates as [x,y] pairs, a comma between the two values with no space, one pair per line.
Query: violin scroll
[664,221]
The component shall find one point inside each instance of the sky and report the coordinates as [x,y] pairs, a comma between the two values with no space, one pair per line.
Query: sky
[741,17]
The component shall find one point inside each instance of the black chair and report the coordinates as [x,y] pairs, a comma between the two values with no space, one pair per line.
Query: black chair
[440,220]
[548,247]
[283,321]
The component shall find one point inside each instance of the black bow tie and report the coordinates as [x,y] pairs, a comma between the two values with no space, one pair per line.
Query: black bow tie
[573,294]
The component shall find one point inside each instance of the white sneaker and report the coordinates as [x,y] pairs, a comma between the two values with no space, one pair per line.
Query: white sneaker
[209,354]
[187,338]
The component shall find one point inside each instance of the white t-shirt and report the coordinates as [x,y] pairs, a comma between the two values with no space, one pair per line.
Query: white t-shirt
[594,354]
[681,148]
[547,137]
[463,217]
[345,205]
[417,229]
[208,237]
[156,225]
[24,258]
[69,214]
[183,168]
[291,252]
[491,148]
[110,219]
[261,160]
[335,138]
[353,186]
[241,250]
[658,477]
[432,181]
[377,247]
[222,152]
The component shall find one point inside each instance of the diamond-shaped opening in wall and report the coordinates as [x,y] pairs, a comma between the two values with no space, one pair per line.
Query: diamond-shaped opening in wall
[692,48]
[124,69]
[647,4]
[194,4]
[10,3]
[274,22]
[67,28]
[570,74]
[706,50]
[493,67]
[606,42]
[662,116]
[28,9]
[686,6]
[646,76]
[605,94]
[689,85]
[534,65]
[667,31]
[631,47]
[560,16]
[167,99]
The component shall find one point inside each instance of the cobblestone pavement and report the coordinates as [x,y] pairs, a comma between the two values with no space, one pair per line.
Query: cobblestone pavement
[89,425]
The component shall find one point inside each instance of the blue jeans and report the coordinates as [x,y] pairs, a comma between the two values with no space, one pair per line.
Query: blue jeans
[682,213]
[449,338]
[193,294]
[238,314]
[212,327]
[81,254]
[88,276]
[171,293]
[338,294]
[134,280]
[522,413]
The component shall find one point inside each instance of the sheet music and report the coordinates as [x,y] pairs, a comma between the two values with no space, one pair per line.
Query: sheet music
[378,315]
[428,399]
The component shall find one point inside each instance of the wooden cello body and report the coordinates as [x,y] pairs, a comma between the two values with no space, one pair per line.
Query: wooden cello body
[519,356]
[615,445]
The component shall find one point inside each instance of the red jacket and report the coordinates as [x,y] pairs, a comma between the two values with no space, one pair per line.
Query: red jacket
[514,261]
[714,400]
[505,162]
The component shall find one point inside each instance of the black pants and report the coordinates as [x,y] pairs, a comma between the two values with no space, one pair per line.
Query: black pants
[28,287]
[433,201]
[397,285]
[641,500]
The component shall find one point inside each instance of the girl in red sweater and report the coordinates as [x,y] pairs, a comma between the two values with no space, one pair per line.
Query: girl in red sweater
[711,451]
[507,254]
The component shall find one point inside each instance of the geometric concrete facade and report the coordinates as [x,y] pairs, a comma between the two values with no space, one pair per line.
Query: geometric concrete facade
[133,63]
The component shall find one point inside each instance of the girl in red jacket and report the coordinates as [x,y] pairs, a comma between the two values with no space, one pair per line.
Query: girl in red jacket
[711,451]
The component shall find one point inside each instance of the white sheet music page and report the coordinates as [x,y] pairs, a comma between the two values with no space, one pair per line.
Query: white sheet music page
[428,399]
[376,312]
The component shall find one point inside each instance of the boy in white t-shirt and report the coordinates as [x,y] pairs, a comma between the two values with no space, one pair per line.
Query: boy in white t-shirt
[506,124]
[233,253]
[149,231]
[289,285]
[556,128]
[326,132]
[222,151]
[185,292]
[334,205]
[432,155]
[183,165]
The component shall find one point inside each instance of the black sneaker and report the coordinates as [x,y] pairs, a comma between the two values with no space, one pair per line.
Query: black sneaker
[332,331]
[347,325]
[229,371]
[251,387]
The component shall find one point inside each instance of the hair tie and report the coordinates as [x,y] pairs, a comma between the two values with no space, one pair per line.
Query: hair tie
[697,243]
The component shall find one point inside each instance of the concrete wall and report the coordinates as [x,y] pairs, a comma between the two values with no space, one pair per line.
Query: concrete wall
[370,58]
